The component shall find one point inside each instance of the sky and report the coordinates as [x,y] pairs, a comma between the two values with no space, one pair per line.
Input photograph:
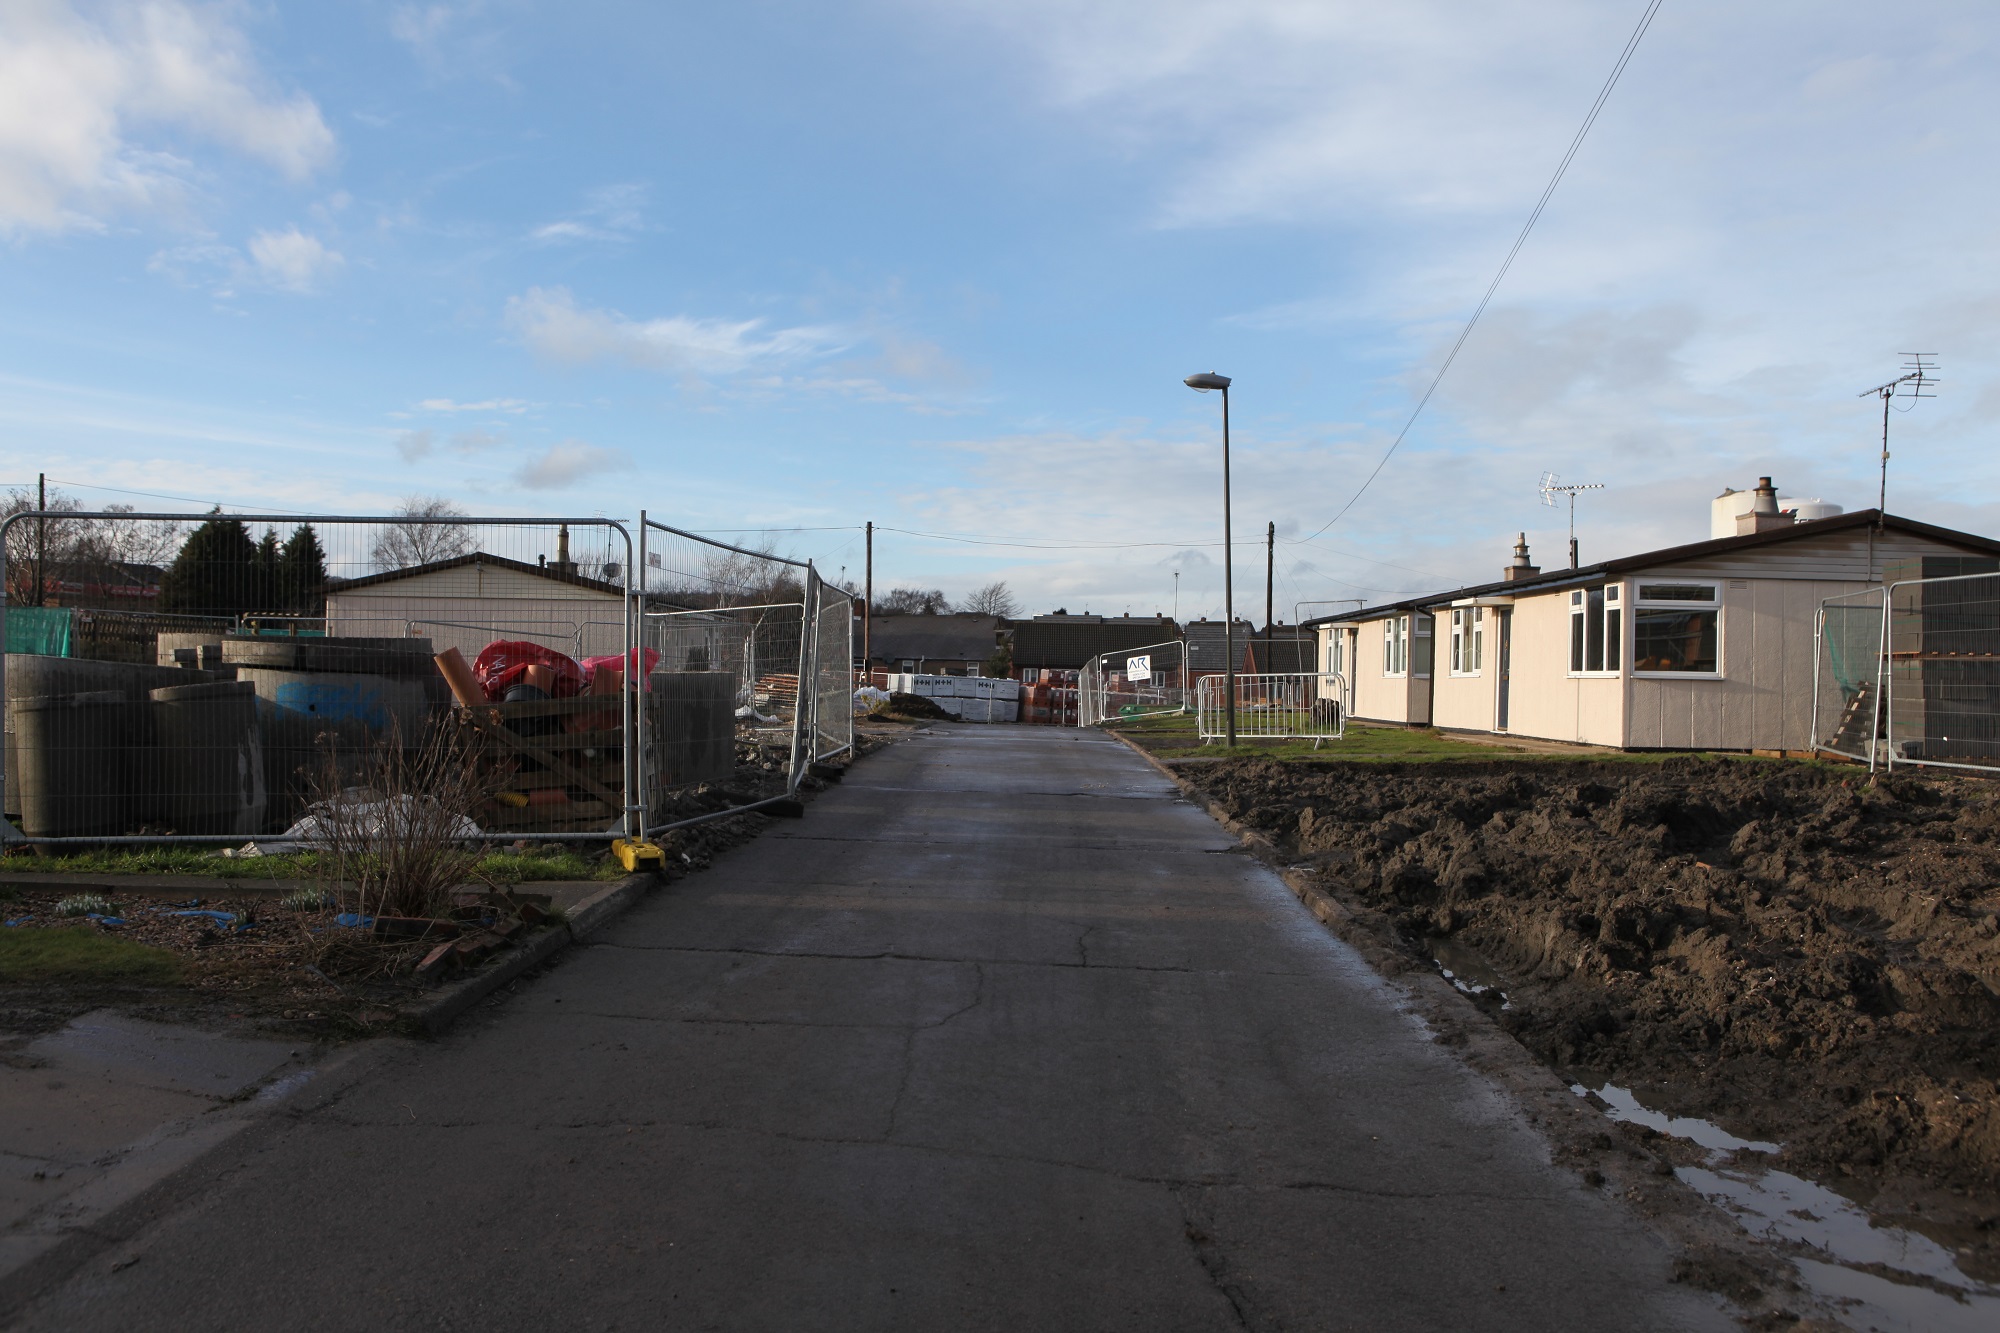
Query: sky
[770,270]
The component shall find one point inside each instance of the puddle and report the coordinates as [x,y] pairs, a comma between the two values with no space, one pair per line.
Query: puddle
[1881,1278]
[1464,968]
[1624,1106]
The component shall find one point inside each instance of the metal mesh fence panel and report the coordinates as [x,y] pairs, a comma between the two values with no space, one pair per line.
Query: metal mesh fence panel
[284,660]
[723,624]
[1133,682]
[1847,686]
[1943,692]
[1290,705]
[833,671]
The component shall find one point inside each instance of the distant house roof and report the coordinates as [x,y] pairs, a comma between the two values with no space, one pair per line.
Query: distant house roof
[946,638]
[1206,653]
[1557,578]
[475,558]
[1067,645]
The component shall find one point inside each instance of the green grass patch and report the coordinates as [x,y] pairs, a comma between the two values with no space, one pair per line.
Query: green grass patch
[1173,736]
[537,863]
[29,954]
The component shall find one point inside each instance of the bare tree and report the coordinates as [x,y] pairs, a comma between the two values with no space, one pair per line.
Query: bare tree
[913,602]
[75,548]
[995,599]
[410,543]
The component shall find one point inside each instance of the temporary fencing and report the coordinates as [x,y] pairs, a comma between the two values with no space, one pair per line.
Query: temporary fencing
[295,660]
[774,637]
[1910,673]
[1272,705]
[1133,682]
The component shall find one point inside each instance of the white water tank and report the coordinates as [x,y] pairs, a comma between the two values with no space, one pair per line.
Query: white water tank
[1724,508]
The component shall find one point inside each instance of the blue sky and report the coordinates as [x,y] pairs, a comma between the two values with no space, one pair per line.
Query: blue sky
[942,265]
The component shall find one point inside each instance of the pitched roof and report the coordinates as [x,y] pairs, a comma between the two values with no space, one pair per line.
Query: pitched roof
[1068,646]
[1555,578]
[474,558]
[945,638]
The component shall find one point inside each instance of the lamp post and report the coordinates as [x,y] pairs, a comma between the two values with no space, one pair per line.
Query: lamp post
[1202,383]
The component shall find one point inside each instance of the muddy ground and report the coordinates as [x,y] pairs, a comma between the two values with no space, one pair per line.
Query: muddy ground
[1783,948]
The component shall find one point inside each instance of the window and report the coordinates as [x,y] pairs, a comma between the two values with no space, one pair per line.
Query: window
[1674,628]
[1421,651]
[1396,646]
[1596,629]
[1336,640]
[1468,631]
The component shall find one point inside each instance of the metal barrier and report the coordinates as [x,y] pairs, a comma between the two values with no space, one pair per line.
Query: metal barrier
[1925,689]
[1133,682]
[518,666]
[832,675]
[775,638]
[1273,705]
[223,737]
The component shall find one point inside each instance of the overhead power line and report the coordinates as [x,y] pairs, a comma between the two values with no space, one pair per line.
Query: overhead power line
[1548,192]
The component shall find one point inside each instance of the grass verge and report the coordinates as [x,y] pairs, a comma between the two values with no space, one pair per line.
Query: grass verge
[82,955]
[555,862]
[1173,736]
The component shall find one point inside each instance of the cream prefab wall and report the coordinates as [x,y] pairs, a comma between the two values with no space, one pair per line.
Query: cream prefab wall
[1372,691]
[1761,697]
[1468,701]
[469,606]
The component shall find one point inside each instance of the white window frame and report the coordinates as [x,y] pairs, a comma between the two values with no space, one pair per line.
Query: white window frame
[1641,602]
[1468,635]
[1396,647]
[1335,644]
[1613,627]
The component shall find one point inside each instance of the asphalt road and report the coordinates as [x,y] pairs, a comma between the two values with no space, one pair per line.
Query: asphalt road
[1002,1035]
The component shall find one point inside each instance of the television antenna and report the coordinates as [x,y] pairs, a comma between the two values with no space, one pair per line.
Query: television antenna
[1915,382]
[1552,486]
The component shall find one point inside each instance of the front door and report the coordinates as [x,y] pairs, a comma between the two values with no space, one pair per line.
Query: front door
[1506,660]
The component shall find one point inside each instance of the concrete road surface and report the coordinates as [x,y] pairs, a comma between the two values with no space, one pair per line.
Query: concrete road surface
[1003,1035]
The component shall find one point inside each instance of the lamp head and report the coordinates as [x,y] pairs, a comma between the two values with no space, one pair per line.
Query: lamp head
[1206,380]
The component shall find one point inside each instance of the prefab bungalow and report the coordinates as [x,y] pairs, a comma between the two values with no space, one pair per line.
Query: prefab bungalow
[469,600]
[1706,646]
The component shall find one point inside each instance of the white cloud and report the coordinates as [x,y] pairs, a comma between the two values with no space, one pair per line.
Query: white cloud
[569,462]
[511,405]
[415,445]
[608,214]
[551,323]
[90,103]
[290,260]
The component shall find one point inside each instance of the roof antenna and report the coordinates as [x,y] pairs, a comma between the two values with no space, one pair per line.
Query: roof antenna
[1916,381]
[1552,486]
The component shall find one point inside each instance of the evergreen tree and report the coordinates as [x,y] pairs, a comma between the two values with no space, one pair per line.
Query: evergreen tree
[302,573]
[264,595]
[215,573]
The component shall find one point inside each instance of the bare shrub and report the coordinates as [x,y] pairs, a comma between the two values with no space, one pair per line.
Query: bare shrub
[401,838]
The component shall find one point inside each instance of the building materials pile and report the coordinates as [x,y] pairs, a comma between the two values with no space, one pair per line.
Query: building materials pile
[967,698]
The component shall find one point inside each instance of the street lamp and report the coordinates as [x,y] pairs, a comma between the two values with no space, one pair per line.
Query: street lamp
[1202,383]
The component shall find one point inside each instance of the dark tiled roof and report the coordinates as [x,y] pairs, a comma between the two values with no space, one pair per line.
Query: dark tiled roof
[1068,646]
[475,558]
[951,638]
[1556,578]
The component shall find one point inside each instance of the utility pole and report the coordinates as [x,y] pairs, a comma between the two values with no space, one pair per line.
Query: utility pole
[868,611]
[1177,599]
[41,539]
[1270,557]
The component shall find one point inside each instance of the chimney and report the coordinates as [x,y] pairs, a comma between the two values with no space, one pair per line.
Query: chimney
[1764,513]
[1520,569]
[563,563]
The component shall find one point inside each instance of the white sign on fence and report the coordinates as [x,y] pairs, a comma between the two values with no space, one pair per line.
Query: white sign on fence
[1139,668]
